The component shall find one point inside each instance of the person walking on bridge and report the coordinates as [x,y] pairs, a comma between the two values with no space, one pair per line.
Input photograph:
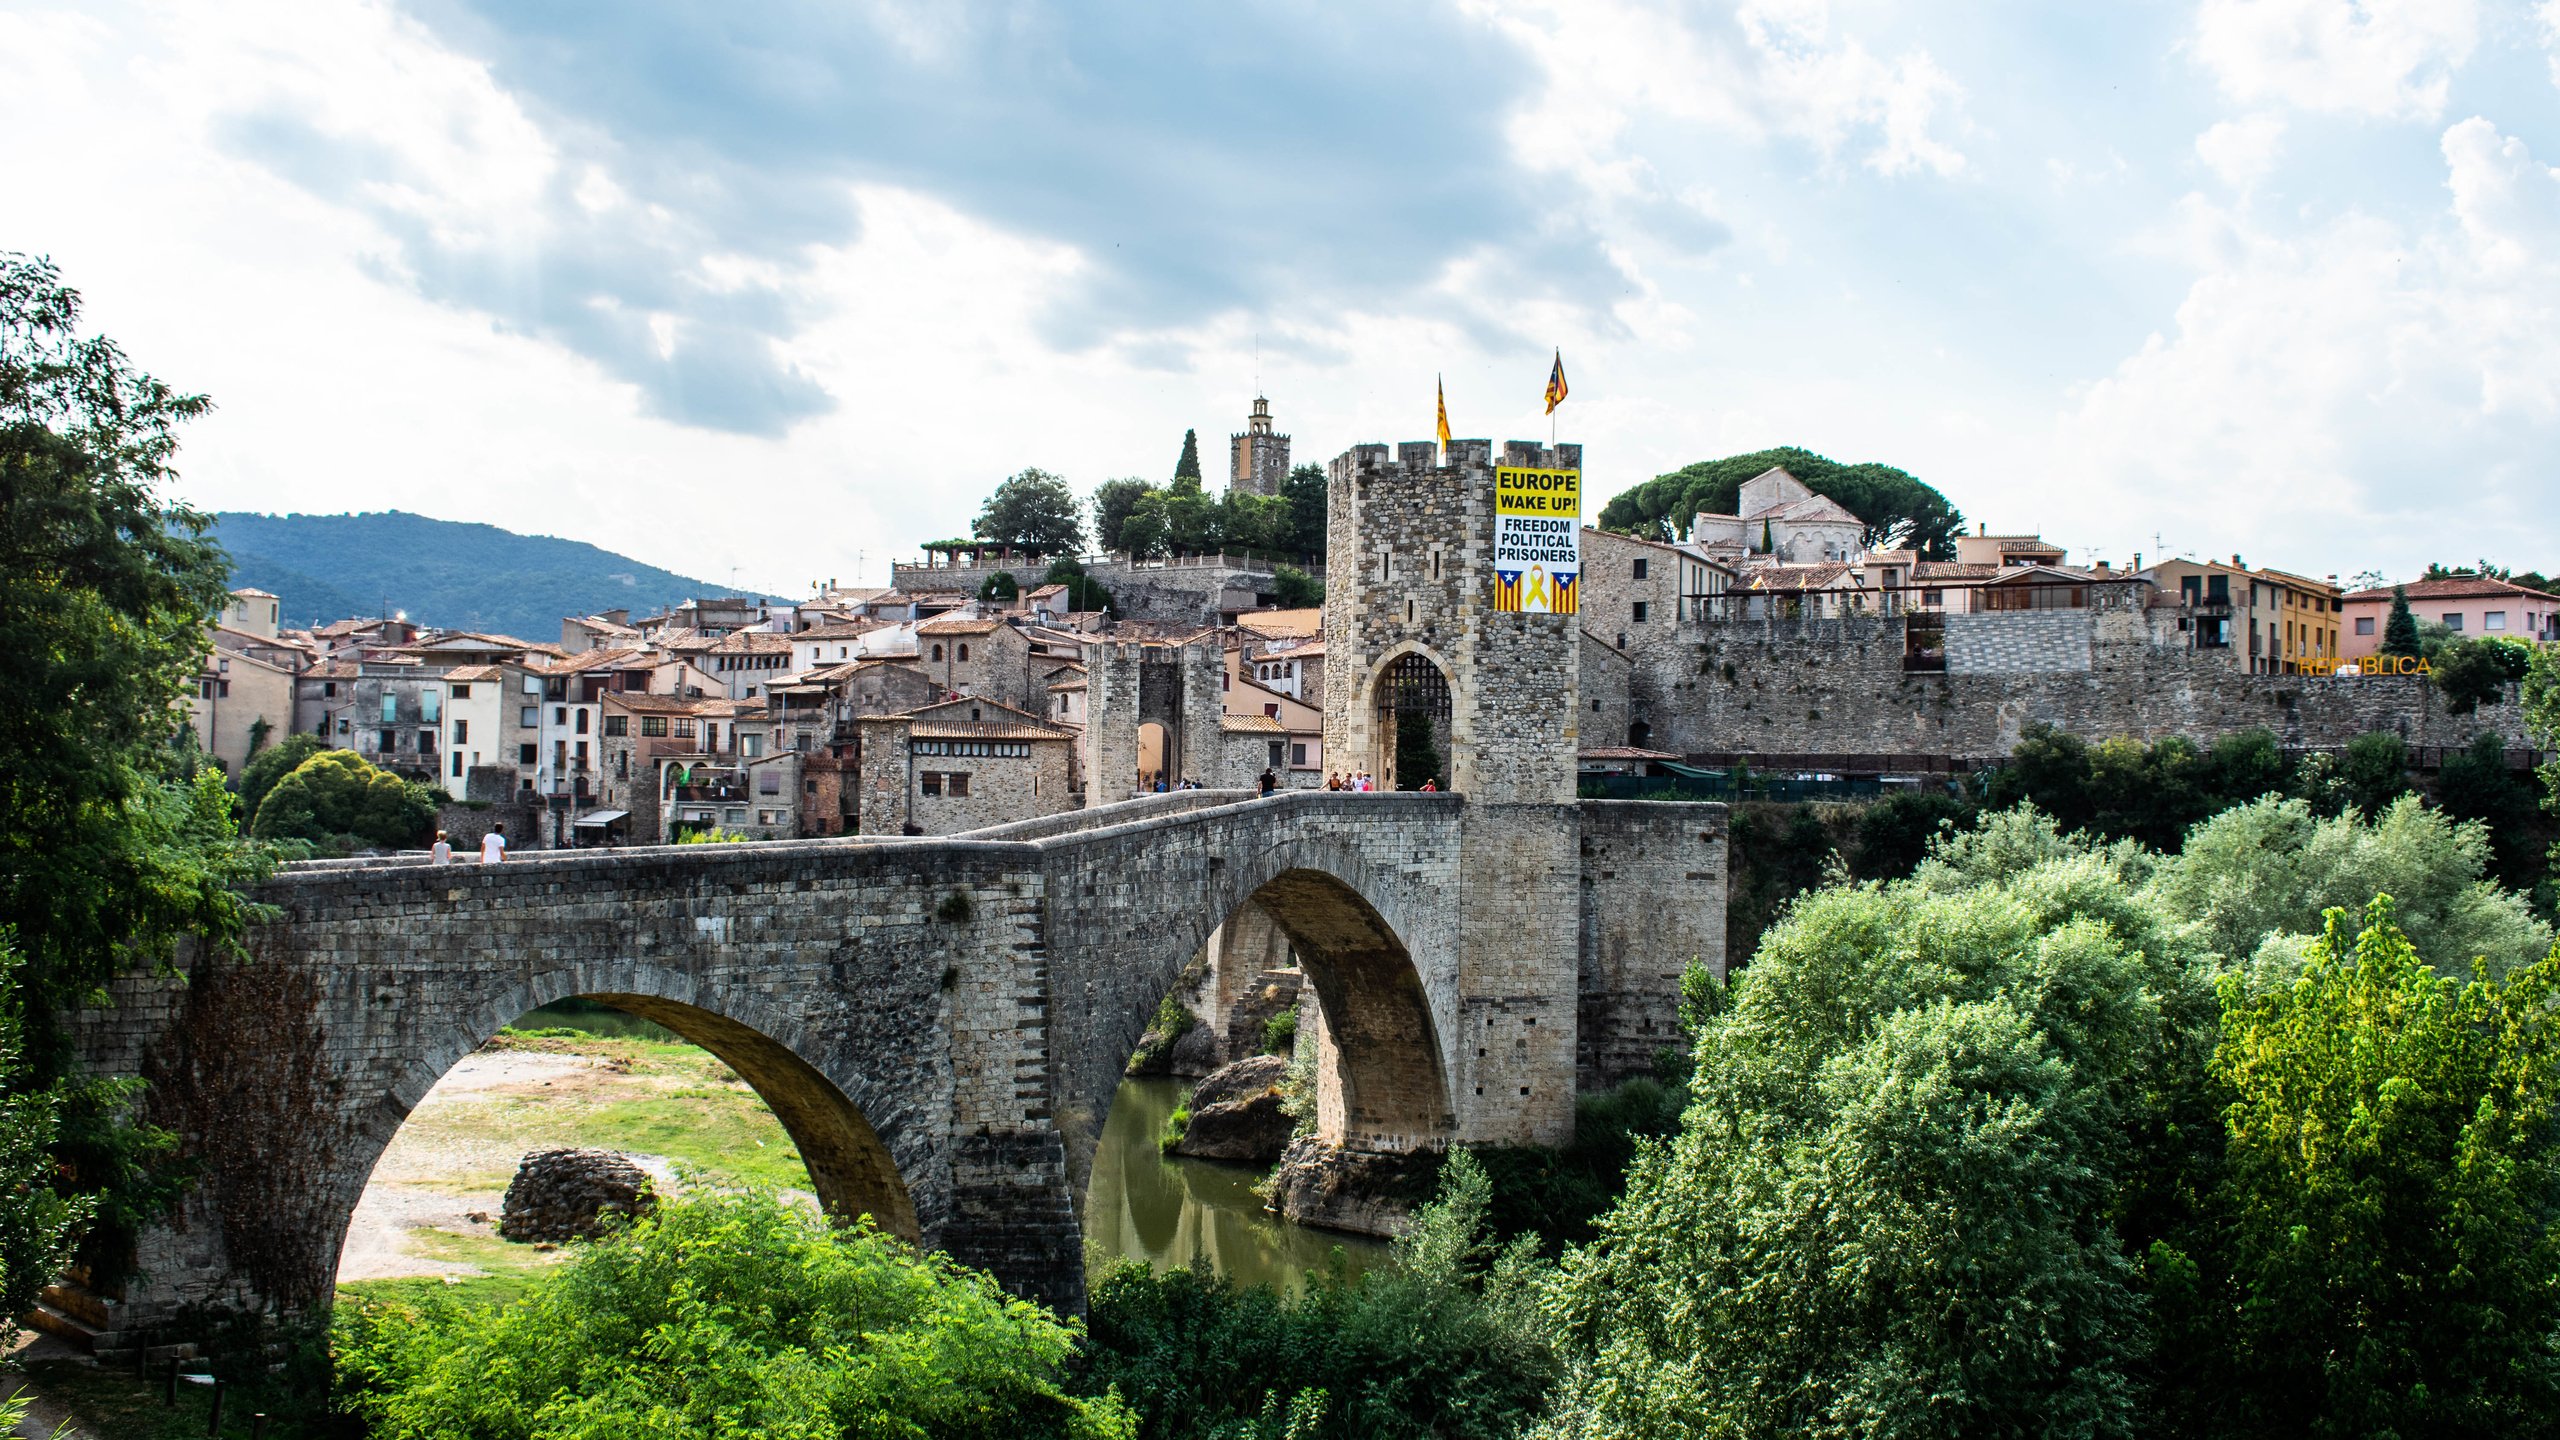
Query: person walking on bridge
[493,846]
[1270,782]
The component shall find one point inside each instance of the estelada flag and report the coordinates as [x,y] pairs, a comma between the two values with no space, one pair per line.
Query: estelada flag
[1555,384]
[1443,389]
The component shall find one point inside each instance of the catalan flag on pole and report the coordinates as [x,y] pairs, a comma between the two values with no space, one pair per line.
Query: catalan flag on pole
[1442,387]
[1555,384]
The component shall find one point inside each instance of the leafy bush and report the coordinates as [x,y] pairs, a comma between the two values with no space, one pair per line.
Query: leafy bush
[1172,1021]
[271,765]
[1176,1125]
[725,1315]
[2265,872]
[713,835]
[1280,1033]
[1920,1121]
[1446,1344]
[338,793]
[2387,1260]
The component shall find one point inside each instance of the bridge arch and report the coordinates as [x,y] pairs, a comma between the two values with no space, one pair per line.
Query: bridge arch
[1378,957]
[853,1163]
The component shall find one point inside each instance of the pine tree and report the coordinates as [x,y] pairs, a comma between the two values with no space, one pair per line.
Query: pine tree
[1768,540]
[1188,467]
[2400,632]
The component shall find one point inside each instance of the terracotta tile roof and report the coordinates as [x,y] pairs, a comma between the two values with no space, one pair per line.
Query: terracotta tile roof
[753,642]
[1630,539]
[466,674]
[949,720]
[1626,752]
[1044,592]
[1306,620]
[841,630]
[1303,650]
[1950,570]
[643,701]
[1075,682]
[957,625]
[253,590]
[1265,724]
[2457,587]
[1798,577]
[586,660]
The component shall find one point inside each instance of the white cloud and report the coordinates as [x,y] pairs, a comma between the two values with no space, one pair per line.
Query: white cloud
[2352,393]
[2549,14]
[1762,69]
[2387,58]
[2243,151]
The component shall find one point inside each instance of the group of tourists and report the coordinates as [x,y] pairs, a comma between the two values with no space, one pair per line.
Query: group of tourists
[1363,781]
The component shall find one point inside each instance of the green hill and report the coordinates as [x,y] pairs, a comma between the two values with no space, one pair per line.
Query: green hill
[442,572]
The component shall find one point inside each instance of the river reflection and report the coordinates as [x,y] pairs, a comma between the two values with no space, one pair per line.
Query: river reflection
[1170,1212]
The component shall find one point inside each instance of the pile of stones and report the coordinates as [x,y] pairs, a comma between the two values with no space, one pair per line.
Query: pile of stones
[562,1195]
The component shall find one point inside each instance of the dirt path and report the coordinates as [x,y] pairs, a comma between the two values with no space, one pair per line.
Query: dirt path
[426,1177]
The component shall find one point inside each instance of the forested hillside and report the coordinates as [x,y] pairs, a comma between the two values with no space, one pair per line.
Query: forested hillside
[467,577]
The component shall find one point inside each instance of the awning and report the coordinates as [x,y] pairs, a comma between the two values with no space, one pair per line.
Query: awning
[1691,772]
[600,818]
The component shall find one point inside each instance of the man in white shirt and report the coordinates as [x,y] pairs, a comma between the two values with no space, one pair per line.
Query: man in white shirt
[493,846]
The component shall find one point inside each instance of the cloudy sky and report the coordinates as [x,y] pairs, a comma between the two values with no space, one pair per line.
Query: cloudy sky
[778,290]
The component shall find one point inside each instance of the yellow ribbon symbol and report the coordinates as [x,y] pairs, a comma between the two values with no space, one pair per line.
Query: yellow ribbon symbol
[1538,598]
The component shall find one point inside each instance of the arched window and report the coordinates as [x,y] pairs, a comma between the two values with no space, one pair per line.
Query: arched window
[964,652]
[1640,736]
[937,652]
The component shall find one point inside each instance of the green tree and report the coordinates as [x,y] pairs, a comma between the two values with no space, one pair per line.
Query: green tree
[1000,587]
[1899,510]
[726,1315]
[2376,770]
[108,855]
[1112,502]
[37,1224]
[1900,1200]
[1188,467]
[2542,721]
[2265,872]
[2390,1263]
[271,765]
[1083,591]
[1309,511]
[1293,588]
[1035,510]
[337,795]
[2400,631]
[2475,784]
[2473,673]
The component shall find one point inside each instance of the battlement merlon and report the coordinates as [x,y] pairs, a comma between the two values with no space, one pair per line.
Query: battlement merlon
[1416,457]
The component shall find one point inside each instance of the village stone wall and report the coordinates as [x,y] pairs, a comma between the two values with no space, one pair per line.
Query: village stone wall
[1796,686]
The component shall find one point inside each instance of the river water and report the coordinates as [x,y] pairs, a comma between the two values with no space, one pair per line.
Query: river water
[1170,1212]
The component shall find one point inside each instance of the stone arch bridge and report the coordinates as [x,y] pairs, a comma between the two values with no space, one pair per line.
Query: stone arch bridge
[939,1023]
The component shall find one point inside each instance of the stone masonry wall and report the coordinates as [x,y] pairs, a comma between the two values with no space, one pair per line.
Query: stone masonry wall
[1837,685]
[1654,883]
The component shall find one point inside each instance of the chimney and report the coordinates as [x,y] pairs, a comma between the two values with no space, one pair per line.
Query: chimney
[2235,561]
[2137,559]
[1981,527]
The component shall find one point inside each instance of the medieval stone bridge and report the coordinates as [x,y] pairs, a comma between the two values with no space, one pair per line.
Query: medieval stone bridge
[940,1024]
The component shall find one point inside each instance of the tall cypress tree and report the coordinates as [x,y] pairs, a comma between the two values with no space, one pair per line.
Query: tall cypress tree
[1188,467]
[2400,632]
